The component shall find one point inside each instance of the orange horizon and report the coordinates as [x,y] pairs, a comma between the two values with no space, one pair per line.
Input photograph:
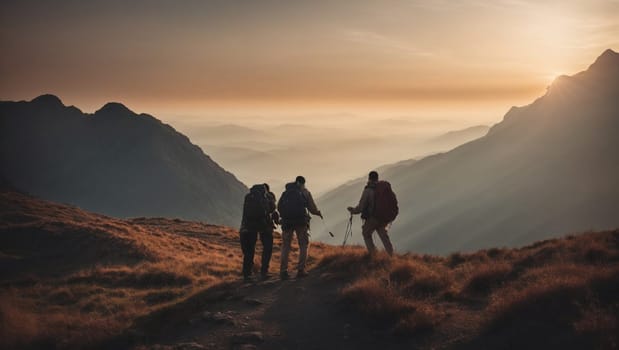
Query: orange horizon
[197,57]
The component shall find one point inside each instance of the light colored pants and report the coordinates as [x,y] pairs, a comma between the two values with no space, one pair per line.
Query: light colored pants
[369,226]
[303,238]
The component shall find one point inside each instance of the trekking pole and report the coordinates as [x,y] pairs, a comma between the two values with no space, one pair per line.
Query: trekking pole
[348,233]
[326,229]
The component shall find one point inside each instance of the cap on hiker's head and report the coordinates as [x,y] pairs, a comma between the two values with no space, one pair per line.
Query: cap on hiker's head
[373,176]
[300,180]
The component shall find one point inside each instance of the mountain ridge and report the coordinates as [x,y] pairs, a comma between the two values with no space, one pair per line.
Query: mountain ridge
[115,108]
[113,161]
[608,58]
[562,145]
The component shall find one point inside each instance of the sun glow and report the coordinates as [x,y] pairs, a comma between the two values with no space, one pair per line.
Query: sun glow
[549,78]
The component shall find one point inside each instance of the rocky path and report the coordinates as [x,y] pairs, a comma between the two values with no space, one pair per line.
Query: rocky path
[294,314]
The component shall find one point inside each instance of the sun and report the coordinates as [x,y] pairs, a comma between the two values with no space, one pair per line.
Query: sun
[550,77]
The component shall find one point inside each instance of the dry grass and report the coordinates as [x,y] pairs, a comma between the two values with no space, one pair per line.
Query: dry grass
[387,305]
[487,277]
[561,291]
[72,279]
[423,320]
[391,291]
[16,326]
[77,278]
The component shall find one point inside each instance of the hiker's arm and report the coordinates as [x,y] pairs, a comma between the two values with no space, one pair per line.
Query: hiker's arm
[273,208]
[311,205]
[363,202]
[272,202]
[279,204]
[243,215]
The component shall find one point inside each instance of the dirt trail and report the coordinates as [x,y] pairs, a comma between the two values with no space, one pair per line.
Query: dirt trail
[294,314]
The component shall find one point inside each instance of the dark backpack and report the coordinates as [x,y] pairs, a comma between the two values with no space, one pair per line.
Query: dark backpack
[256,208]
[292,205]
[385,203]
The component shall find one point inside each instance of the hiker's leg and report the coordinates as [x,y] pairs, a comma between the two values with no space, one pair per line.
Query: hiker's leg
[285,251]
[266,238]
[248,246]
[303,238]
[366,231]
[382,233]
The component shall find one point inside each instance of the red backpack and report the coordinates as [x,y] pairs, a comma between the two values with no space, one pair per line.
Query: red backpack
[385,203]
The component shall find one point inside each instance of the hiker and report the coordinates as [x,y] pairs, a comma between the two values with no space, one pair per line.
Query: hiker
[293,207]
[259,218]
[378,207]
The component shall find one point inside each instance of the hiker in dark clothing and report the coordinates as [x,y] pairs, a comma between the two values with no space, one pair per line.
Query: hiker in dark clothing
[259,218]
[378,207]
[293,206]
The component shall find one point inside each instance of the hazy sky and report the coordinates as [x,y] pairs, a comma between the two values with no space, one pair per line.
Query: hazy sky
[193,56]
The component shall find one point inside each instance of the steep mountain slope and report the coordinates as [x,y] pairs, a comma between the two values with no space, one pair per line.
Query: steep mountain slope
[548,168]
[114,162]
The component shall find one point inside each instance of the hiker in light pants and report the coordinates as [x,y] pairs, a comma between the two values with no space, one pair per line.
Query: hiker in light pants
[372,220]
[293,206]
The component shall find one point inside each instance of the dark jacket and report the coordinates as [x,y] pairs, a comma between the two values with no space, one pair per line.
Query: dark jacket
[310,206]
[266,223]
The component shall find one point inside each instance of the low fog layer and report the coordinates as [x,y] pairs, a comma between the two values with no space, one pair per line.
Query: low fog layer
[327,152]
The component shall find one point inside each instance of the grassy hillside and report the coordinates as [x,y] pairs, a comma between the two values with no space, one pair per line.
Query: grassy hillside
[73,279]
[560,293]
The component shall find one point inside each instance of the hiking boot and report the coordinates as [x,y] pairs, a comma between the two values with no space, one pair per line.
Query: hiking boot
[302,273]
[284,275]
[264,276]
[247,279]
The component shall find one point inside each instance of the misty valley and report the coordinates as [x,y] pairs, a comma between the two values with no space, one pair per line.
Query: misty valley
[328,155]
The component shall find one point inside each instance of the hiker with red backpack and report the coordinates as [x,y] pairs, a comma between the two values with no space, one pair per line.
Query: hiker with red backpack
[293,206]
[259,218]
[378,208]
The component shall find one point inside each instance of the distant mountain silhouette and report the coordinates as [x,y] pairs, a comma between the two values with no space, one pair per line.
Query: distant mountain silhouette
[548,168]
[114,162]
